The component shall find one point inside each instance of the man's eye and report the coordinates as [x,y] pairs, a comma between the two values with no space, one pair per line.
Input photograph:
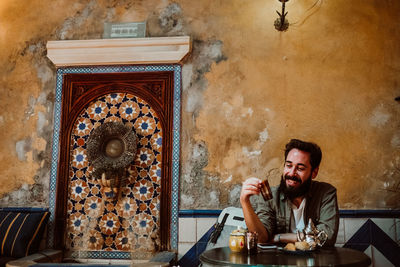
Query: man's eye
[301,169]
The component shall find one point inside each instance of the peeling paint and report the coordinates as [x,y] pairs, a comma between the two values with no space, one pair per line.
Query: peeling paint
[194,75]
[72,23]
[194,100]
[200,154]
[379,117]
[229,179]
[248,153]
[21,147]
[234,195]
[170,18]
[187,72]
[395,141]
[263,137]
[187,200]
[31,108]
[214,197]
[45,74]
[42,122]
[248,113]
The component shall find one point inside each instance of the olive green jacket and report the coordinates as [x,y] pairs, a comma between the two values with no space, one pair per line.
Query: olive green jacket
[321,207]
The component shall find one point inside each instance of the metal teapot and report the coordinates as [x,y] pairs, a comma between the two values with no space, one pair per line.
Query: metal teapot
[312,236]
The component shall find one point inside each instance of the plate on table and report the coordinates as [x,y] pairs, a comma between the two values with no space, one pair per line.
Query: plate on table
[266,246]
[297,251]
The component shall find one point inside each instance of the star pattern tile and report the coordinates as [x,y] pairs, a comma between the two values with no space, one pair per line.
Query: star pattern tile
[119,225]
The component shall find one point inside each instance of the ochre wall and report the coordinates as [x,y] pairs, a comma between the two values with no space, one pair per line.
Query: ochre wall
[247,89]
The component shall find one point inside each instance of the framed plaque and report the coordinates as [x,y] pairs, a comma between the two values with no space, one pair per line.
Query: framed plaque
[124,30]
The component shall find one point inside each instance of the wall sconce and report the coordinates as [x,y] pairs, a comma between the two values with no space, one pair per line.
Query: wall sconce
[281,23]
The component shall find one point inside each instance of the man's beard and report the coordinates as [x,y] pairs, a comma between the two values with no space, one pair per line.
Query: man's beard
[293,192]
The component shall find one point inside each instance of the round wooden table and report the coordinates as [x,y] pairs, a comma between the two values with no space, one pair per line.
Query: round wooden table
[275,257]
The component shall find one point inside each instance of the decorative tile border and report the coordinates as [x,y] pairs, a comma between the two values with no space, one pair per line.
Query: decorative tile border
[175,140]
[101,255]
[176,157]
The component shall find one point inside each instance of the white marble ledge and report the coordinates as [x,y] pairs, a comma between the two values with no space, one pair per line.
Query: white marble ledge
[124,51]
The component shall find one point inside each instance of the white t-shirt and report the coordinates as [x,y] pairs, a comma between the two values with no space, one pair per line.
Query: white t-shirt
[297,220]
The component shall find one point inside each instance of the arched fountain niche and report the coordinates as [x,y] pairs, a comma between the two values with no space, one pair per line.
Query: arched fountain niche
[107,90]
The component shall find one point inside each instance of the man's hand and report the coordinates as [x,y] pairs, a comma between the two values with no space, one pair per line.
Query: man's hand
[250,187]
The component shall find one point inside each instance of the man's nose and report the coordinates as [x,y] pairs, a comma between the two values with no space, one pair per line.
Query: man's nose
[292,172]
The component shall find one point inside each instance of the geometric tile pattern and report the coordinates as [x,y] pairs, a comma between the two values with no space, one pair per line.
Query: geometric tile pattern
[130,222]
[371,234]
[176,69]
[378,259]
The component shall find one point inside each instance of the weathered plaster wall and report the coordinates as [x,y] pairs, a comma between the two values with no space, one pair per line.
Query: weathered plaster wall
[247,89]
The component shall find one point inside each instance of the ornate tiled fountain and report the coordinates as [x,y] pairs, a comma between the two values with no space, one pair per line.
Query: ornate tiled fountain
[107,203]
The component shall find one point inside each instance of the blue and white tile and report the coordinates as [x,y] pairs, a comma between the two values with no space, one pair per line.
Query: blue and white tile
[379,260]
[388,225]
[369,253]
[184,247]
[351,226]
[203,225]
[121,262]
[340,236]
[98,261]
[187,230]
[79,260]
[138,262]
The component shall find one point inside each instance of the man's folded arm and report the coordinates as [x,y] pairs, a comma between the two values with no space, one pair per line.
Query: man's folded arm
[329,217]
[267,215]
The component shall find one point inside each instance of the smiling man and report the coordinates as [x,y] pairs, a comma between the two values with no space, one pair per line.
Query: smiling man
[294,201]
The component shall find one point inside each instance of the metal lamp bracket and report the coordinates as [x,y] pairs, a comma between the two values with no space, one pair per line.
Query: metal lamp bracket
[281,23]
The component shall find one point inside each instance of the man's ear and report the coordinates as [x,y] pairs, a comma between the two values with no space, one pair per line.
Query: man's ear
[314,173]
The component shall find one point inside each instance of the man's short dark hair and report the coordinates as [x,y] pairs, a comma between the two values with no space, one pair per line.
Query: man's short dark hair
[312,148]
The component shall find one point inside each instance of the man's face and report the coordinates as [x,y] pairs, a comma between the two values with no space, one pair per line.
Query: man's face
[297,173]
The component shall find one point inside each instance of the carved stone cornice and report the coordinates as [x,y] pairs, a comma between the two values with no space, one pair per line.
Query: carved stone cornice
[127,51]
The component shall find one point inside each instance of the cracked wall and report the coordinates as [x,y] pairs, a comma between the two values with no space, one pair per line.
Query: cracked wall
[247,89]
